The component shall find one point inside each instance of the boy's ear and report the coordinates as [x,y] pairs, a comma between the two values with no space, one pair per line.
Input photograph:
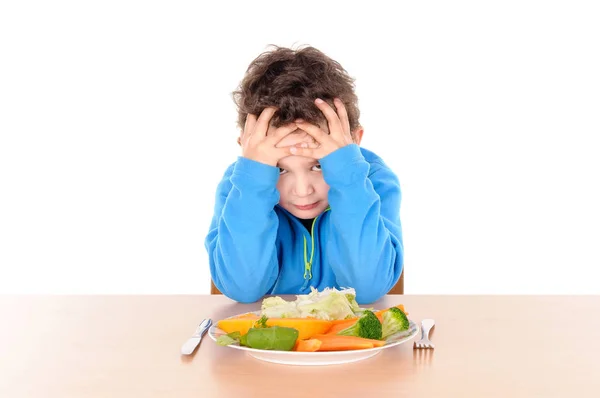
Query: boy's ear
[357,135]
[239,140]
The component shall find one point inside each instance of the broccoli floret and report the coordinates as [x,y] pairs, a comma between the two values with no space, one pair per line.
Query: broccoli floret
[367,326]
[394,321]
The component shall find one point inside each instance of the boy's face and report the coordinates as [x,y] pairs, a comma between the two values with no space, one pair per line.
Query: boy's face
[302,188]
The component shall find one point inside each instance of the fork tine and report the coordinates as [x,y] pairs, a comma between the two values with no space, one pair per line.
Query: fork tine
[423,344]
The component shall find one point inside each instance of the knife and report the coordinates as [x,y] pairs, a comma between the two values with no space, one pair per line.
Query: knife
[190,345]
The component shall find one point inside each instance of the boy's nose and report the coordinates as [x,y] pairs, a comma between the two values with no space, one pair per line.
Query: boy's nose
[303,187]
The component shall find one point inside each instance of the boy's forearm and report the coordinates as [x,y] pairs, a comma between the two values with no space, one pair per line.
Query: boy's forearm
[241,240]
[365,232]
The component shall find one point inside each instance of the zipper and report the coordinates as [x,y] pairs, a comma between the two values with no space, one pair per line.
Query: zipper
[308,263]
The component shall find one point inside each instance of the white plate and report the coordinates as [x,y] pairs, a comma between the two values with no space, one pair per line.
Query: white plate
[319,358]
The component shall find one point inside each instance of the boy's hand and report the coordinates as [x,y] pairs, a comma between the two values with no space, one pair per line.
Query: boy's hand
[260,146]
[339,131]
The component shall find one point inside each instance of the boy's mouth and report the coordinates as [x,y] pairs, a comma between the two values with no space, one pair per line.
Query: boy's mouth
[307,207]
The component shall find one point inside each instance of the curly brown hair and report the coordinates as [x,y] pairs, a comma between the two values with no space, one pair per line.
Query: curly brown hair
[291,80]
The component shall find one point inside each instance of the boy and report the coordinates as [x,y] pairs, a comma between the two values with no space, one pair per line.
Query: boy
[304,205]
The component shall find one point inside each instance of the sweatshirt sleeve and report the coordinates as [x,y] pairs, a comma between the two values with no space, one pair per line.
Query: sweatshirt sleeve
[241,239]
[365,235]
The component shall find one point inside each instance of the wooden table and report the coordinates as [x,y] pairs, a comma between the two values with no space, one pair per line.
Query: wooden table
[128,346]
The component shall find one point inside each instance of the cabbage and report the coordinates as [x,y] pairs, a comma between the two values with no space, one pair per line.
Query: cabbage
[329,304]
[276,307]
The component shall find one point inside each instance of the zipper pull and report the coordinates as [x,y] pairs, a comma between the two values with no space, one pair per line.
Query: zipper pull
[307,271]
[307,267]
[307,275]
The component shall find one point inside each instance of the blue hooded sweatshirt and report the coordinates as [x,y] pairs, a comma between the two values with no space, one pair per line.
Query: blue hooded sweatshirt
[256,247]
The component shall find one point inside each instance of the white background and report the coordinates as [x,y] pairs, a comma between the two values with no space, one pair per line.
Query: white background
[117,122]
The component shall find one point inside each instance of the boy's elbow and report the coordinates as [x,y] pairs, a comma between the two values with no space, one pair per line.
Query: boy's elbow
[369,288]
[372,288]
[369,296]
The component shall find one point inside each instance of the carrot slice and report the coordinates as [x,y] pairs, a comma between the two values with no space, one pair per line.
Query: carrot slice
[380,312]
[339,327]
[336,345]
[323,337]
[308,345]
[331,342]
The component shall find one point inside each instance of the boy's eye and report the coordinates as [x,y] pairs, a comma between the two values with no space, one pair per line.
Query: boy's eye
[282,171]
[316,167]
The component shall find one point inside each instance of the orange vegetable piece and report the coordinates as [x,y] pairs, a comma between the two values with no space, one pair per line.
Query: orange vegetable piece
[332,342]
[307,327]
[380,312]
[308,345]
[237,324]
[340,326]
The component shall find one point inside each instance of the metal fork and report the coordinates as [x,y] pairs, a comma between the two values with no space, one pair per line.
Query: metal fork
[426,325]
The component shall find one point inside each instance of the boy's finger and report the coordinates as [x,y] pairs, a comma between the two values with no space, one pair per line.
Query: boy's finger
[313,145]
[250,122]
[282,131]
[314,153]
[248,128]
[315,131]
[262,124]
[332,118]
[342,114]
